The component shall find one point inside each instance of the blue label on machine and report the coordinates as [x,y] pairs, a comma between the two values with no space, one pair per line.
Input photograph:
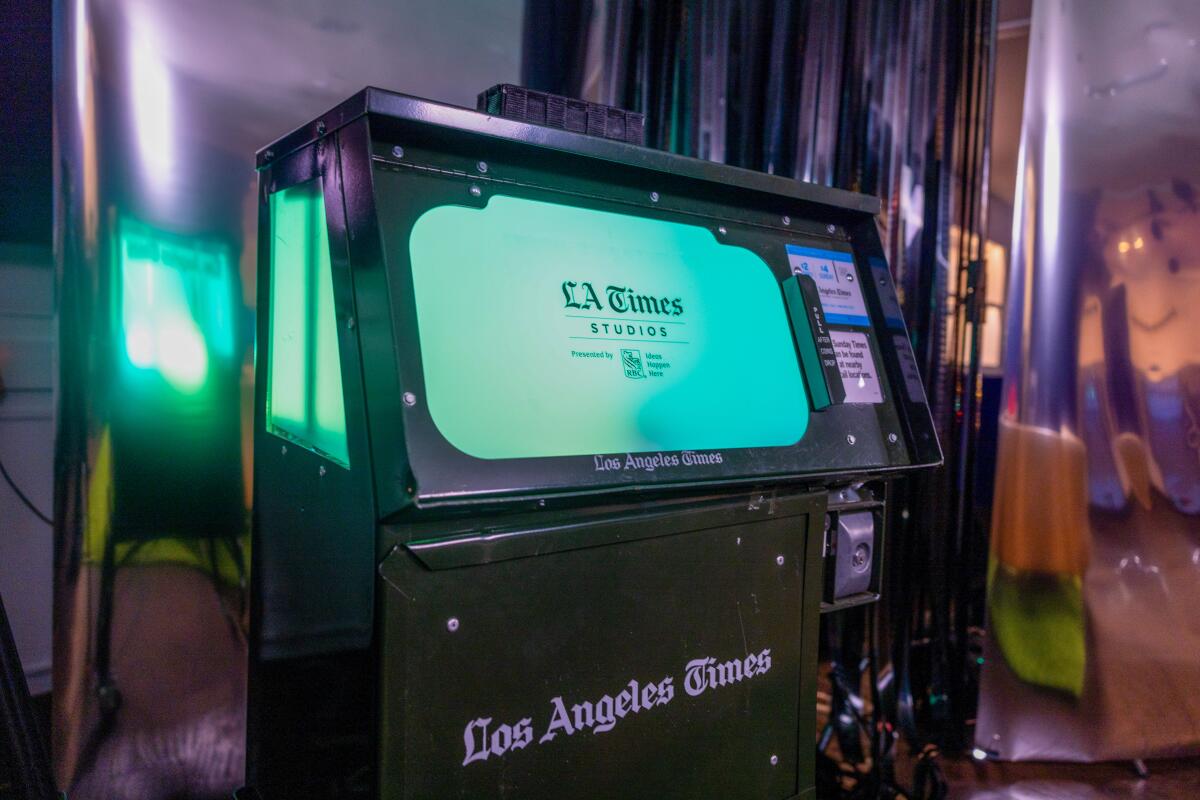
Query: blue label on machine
[837,283]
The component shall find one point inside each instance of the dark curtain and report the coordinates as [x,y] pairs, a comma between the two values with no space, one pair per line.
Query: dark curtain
[877,96]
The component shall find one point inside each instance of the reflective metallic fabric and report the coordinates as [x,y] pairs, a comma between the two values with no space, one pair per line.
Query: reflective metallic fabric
[159,109]
[1095,576]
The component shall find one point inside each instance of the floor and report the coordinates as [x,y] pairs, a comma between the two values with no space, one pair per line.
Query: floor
[971,780]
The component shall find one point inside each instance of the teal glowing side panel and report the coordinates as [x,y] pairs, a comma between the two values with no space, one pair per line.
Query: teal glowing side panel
[551,330]
[304,391]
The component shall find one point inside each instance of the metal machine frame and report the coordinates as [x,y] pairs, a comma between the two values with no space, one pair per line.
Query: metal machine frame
[343,639]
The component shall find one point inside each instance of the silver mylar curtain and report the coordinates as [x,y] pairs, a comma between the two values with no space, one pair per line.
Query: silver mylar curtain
[159,108]
[1093,650]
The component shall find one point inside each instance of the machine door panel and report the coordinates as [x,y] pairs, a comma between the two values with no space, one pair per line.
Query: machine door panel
[661,667]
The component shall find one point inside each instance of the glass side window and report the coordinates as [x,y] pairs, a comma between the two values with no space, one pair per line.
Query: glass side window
[553,330]
[304,388]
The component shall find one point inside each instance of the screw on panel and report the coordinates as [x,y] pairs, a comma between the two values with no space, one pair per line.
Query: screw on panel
[786,220]
[850,277]
[721,230]
[654,197]
[475,191]
[850,438]
[779,560]
[452,624]
[831,228]
[398,151]
[267,156]
[774,760]
[893,438]
[410,399]
[321,470]
[283,449]
[482,166]
[321,128]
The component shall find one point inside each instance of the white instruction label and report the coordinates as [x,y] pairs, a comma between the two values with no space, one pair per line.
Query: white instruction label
[859,374]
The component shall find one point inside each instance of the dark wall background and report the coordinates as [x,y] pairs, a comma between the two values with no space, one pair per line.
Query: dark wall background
[25,122]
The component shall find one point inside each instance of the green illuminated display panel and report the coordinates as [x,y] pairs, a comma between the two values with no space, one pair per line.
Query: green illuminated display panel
[552,330]
[304,392]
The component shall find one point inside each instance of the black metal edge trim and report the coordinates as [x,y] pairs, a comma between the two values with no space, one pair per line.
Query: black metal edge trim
[507,543]
[372,100]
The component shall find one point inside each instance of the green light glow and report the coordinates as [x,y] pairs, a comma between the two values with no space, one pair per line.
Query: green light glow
[182,353]
[304,391]
[513,370]
[176,298]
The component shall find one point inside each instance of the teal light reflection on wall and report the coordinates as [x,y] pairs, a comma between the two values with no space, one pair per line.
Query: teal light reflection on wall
[177,304]
[529,350]
[304,389]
